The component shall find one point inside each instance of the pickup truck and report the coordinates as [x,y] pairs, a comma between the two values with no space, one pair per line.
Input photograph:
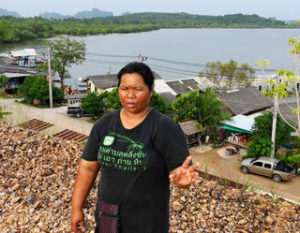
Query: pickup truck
[270,167]
[77,111]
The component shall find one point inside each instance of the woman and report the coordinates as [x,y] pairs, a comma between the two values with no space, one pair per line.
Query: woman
[131,140]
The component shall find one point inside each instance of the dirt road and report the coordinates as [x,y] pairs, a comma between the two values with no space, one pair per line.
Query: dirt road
[229,168]
[57,116]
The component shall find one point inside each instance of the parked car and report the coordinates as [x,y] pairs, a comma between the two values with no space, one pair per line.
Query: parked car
[270,167]
[77,111]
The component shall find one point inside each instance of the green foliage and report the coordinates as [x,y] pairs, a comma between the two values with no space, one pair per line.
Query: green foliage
[280,88]
[37,87]
[259,147]
[21,29]
[3,82]
[294,160]
[112,99]
[65,52]
[296,143]
[205,108]
[58,95]
[93,103]
[261,62]
[39,90]
[25,88]
[228,75]
[295,46]
[289,158]
[157,102]
[261,138]
[3,113]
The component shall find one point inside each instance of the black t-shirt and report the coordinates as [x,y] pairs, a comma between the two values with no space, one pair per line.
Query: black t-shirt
[121,153]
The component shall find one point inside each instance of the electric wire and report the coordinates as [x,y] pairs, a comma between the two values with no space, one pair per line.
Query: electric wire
[165,60]
[111,55]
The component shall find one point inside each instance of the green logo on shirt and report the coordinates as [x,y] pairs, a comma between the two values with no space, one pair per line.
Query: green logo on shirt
[108,140]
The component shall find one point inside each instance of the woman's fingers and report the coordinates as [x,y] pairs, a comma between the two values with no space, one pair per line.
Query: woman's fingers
[186,162]
[194,167]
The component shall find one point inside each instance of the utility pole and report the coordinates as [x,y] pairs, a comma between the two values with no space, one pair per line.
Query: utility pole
[49,77]
[142,58]
[273,136]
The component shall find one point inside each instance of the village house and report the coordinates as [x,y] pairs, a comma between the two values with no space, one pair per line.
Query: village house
[238,130]
[16,76]
[25,57]
[191,131]
[245,101]
[244,104]
[184,86]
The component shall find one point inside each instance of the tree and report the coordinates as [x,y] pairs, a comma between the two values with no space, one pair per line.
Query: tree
[262,63]
[25,87]
[205,108]
[39,90]
[93,103]
[64,53]
[37,87]
[112,99]
[261,143]
[157,102]
[228,75]
[3,82]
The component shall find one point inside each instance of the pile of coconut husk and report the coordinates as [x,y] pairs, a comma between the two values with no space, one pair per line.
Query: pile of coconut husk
[37,174]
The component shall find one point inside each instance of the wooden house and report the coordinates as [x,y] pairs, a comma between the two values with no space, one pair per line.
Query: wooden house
[191,131]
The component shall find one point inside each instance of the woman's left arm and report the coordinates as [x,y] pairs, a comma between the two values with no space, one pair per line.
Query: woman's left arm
[185,174]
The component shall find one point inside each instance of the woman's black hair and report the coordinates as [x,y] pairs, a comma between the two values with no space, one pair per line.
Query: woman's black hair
[140,68]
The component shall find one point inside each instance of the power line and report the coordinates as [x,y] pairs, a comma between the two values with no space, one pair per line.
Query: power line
[111,55]
[176,62]
[174,70]
[165,60]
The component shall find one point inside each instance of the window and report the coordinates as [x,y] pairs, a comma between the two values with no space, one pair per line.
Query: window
[267,165]
[258,164]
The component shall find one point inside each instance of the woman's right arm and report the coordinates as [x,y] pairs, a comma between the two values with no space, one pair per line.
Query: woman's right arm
[85,178]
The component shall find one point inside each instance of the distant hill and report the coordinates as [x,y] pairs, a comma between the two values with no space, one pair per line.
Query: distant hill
[207,21]
[94,13]
[4,12]
[96,22]
[48,15]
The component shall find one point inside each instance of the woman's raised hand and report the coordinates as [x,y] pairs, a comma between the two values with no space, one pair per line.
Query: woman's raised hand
[184,175]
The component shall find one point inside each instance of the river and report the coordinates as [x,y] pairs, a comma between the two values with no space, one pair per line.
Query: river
[177,53]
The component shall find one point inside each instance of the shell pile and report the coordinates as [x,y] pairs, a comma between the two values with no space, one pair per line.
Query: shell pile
[37,174]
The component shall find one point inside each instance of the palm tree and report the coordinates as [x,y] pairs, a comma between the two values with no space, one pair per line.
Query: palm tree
[210,110]
[205,108]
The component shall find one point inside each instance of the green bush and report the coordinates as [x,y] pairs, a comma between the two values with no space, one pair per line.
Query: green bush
[37,87]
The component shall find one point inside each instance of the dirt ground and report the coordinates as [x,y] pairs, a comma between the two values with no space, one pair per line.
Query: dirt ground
[215,163]
[211,160]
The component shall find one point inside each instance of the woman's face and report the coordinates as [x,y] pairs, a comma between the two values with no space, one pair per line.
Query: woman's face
[134,94]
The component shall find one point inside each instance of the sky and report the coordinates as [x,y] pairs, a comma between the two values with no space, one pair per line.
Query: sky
[281,9]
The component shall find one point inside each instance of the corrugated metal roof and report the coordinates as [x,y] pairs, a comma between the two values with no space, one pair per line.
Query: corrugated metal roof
[24,53]
[15,75]
[241,122]
[160,86]
[190,127]
[245,100]
[184,86]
